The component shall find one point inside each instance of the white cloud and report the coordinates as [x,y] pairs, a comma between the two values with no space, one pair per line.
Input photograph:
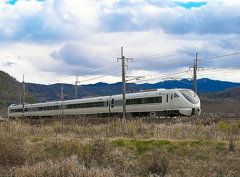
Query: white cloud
[58,39]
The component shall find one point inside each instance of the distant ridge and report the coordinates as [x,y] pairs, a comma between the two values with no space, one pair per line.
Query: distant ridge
[51,92]
[233,93]
[10,90]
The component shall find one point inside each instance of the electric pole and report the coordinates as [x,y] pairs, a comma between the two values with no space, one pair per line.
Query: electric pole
[23,102]
[195,67]
[62,94]
[124,80]
[76,87]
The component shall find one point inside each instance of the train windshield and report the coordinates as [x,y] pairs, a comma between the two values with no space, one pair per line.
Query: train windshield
[190,96]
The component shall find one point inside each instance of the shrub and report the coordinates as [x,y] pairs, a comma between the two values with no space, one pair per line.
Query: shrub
[12,151]
[156,163]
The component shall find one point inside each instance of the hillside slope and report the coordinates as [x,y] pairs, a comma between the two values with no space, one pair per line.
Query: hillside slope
[52,92]
[222,104]
[228,93]
[10,90]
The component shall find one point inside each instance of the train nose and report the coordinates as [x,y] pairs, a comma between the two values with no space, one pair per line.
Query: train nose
[196,111]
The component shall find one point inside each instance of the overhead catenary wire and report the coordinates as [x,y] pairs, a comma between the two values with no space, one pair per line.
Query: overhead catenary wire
[161,77]
[98,77]
[220,56]
[186,61]
[155,57]
[161,65]
[186,72]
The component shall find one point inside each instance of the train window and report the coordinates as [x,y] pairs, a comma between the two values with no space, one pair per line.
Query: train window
[98,104]
[176,95]
[35,109]
[144,100]
[69,106]
[158,100]
[112,103]
[18,110]
[55,107]
[75,106]
[150,100]
[138,101]
[167,99]
[171,96]
[13,110]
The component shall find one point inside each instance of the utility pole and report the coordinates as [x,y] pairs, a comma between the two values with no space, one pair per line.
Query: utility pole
[62,94]
[23,102]
[195,67]
[76,87]
[124,80]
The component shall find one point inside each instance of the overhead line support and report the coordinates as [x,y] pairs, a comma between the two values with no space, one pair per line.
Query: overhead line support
[195,69]
[124,80]
[23,102]
[76,87]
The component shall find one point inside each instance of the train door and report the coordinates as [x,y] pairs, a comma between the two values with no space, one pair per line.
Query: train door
[110,104]
[169,101]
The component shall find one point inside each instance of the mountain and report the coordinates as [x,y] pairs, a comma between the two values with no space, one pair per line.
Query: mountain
[52,92]
[233,93]
[221,104]
[10,90]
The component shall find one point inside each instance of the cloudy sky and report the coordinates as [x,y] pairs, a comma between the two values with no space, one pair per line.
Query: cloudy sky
[53,41]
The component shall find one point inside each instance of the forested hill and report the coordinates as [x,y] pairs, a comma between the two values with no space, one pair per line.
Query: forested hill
[10,90]
[52,92]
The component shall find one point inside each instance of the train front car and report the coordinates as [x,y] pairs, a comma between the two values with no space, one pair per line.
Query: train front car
[188,102]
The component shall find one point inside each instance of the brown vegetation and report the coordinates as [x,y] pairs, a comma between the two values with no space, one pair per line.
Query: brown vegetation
[120,148]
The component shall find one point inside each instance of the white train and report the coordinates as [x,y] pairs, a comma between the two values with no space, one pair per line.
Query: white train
[160,102]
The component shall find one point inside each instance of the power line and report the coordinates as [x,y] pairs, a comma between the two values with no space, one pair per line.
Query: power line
[187,61]
[221,56]
[104,67]
[98,77]
[168,76]
[154,57]
[215,68]
[162,77]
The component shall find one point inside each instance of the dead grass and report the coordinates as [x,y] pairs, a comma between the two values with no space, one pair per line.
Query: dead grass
[120,148]
[12,151]
[65,168]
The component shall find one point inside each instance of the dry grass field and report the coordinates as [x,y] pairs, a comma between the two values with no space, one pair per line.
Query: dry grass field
[79,147]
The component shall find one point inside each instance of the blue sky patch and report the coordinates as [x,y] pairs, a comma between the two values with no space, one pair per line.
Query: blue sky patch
[12,2]
[189,5]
